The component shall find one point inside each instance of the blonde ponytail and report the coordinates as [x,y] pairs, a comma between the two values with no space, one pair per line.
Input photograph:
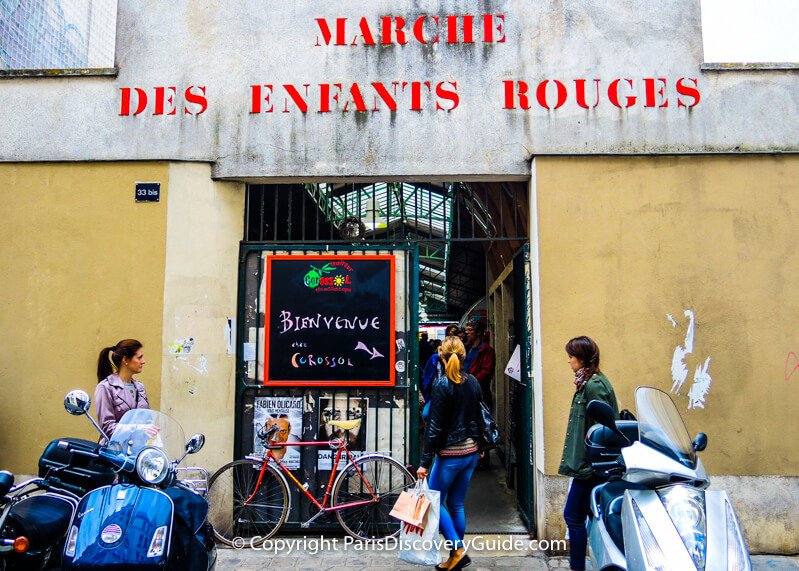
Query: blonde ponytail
[453,351]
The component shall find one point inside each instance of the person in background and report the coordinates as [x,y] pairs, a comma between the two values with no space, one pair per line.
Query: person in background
[589,384]
[480,361]
[453,434]
[117,391]
[433,370]
[425,350]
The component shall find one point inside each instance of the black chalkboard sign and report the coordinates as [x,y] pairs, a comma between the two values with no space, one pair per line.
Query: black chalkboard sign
[329,320]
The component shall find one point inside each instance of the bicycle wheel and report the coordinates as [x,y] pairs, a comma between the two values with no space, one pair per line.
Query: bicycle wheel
[387,478]
[236,513]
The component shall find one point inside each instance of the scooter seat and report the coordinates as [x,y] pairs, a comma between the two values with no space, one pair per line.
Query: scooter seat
[43,519]
[610,502]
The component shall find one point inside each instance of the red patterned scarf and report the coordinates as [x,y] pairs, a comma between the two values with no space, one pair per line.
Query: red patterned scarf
[580,378]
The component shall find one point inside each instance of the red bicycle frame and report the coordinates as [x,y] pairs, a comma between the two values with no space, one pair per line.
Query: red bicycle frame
[323,507]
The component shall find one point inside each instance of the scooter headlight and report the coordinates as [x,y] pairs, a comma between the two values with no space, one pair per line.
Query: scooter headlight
[152,465]
[686,508]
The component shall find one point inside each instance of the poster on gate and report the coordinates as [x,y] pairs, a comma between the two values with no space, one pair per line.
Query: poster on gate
[341,408]
[286,413]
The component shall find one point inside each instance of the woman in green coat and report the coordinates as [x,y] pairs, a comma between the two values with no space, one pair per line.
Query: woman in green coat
[589,384]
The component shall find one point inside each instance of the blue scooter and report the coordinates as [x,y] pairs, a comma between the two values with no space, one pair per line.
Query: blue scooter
[148,518]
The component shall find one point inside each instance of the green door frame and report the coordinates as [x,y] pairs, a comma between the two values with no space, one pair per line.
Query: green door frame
[523,401]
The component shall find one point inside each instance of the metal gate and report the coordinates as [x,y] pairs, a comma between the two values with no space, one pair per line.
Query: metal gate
[389,414]
[443,235]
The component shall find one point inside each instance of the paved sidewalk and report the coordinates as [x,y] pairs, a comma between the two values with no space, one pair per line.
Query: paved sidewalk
[502,552]
[336,556]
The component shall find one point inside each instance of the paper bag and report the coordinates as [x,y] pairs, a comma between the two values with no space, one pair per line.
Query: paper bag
[411,507]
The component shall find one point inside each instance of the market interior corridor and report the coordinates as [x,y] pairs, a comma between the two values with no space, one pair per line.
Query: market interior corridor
[491,505]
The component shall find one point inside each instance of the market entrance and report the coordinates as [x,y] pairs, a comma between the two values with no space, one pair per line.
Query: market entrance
[459,250]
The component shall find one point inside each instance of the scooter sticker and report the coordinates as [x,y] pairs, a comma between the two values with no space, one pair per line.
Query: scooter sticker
[111,533]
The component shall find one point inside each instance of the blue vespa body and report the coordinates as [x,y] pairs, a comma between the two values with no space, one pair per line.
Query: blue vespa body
[148,518]
[120,523]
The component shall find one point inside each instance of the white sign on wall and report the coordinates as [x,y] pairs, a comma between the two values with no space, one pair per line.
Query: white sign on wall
[514,366]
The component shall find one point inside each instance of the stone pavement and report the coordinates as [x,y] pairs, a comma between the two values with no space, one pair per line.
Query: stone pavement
[502,552]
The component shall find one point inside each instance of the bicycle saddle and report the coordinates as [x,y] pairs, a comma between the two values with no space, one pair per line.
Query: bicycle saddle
[345,424]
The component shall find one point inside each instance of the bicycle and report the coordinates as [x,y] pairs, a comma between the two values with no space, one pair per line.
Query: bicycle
[249,498]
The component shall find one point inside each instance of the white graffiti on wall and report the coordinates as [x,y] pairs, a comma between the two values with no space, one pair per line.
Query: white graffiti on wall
[701,386]
[201,366]
[679,368]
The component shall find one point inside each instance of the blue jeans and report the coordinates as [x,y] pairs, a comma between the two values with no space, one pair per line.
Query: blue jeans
[578,505]
[451,476]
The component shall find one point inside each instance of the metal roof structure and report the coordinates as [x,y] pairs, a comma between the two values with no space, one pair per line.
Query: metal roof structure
[401,211]
[466,233]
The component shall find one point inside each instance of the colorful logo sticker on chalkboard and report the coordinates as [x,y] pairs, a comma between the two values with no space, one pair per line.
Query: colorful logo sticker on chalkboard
[333,276]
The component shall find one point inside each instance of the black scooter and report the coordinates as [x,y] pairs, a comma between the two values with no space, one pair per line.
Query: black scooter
[33,522]
[35,514]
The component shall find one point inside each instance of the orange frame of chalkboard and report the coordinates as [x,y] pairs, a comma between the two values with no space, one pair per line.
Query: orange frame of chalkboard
[311,258]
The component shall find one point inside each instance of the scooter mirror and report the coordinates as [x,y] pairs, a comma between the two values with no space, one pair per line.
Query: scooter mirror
[195,443]
[77,402]
[700,442]
[602,413]
[6,482]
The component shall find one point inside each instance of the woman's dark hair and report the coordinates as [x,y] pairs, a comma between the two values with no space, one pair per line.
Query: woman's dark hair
[110,358]
[586,351]
[452,330]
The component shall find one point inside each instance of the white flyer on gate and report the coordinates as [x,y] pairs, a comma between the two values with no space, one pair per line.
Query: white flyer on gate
[514,367]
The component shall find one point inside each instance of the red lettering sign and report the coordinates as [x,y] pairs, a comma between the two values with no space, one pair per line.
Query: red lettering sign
[375,96]
[164,100]
[423,29]
[621,92]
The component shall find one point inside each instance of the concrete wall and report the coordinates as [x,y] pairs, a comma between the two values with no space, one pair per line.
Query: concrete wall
[204,226]
[83,267]
[228,46]
[626,248]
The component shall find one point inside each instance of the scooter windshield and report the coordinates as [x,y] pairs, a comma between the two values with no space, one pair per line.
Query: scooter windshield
[139,428]
[661,427]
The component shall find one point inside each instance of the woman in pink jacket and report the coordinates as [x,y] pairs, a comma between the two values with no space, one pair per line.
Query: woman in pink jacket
[117,391]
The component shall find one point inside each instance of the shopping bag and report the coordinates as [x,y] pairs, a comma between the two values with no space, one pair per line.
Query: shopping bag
[412,506]
[419,545]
